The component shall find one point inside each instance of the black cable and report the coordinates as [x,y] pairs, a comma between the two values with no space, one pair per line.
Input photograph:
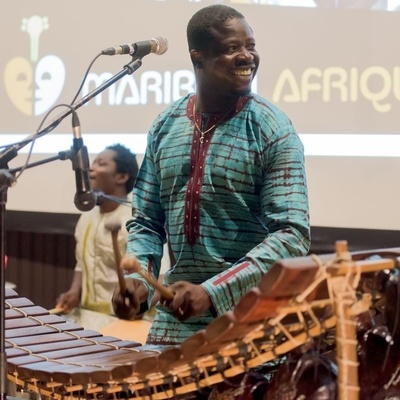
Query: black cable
[84,78]
[38,130]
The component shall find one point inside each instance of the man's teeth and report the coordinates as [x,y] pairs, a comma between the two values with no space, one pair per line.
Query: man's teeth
[243,72]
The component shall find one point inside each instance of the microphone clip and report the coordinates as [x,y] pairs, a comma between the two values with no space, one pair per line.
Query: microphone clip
[80,160]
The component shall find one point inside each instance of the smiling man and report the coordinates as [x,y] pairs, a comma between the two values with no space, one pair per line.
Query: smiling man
[223,179]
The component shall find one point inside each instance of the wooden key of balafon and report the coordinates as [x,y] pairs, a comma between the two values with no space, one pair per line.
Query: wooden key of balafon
[132,265]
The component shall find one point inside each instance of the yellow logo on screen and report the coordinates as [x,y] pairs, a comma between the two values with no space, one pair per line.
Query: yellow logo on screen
[33,85]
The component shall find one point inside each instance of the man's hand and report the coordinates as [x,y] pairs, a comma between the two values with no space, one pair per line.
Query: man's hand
[189,301]
[127,305]
[68,301]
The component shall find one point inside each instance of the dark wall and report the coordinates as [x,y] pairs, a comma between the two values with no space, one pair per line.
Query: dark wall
[323,239]
[41,250]
[41,254]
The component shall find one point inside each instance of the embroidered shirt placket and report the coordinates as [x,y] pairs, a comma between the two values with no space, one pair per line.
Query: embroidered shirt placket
[202,135]
[197,161]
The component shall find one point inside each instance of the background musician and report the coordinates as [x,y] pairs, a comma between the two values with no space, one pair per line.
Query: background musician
[112,174]
[223,178]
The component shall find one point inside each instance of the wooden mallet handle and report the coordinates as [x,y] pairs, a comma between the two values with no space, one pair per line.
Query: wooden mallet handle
[57,311]
[132,265]
[114,229]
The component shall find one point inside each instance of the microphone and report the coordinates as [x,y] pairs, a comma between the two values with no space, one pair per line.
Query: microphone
[84,198]
[157,45]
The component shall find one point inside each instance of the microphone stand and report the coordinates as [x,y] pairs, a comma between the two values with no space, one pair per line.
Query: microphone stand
[7,179]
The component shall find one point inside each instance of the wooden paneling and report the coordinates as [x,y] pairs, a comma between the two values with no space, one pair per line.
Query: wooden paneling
[40,249]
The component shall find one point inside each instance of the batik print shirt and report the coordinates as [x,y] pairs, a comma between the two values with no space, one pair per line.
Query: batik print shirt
[230,206]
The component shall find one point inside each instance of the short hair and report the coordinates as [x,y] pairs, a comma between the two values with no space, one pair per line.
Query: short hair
[126,163]
[199,29]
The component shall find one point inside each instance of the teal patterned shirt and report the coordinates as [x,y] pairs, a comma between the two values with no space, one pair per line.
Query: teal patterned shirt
[230,206]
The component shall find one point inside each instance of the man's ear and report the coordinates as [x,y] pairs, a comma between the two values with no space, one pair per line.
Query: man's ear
[195,56]
[121,178]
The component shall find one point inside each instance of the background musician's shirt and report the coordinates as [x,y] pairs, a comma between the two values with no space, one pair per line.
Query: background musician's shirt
[95,256]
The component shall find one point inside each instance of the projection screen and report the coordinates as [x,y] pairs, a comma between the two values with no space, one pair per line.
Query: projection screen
[332,66]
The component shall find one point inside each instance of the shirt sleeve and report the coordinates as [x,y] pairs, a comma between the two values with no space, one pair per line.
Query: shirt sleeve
[146,233]
[79,237]
[285,210]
